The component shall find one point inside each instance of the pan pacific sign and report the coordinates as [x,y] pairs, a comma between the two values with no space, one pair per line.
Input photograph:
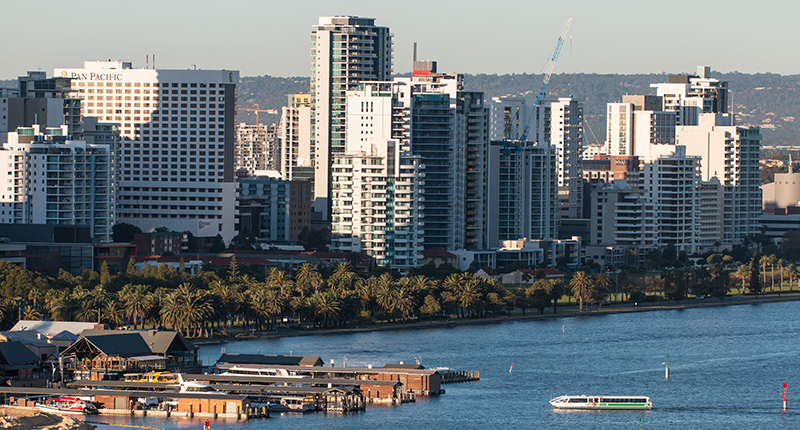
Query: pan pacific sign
[92,76]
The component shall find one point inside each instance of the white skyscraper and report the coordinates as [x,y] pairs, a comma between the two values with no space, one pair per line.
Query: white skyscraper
[345,50]
[176,156]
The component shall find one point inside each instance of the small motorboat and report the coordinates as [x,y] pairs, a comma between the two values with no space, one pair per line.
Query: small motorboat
[67,405]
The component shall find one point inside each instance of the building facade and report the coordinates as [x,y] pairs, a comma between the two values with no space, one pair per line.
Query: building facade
[176,157]
[54,180]
[296,161]
[345,50]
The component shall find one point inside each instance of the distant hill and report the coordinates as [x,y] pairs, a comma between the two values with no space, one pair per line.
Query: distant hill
[768,100]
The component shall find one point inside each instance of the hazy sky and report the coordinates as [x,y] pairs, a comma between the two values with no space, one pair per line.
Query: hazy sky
[264,37]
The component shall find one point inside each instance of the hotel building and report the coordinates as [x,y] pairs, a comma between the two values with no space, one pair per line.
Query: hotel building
[176,155]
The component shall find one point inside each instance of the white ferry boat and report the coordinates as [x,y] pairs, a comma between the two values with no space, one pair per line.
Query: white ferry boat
[602,402]
[263,371]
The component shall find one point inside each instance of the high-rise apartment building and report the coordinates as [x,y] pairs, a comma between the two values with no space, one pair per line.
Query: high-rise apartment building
[523,193]
[690,95]
[296,161]
[345,50]
[730,154]
[51,179]
[672,183]
[638,123]
[251,147]
[47,102]
[176,155]
[557,124]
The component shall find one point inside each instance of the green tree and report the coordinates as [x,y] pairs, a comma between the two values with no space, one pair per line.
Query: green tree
[581,286]
[124,232]
[540,294]
[755,279]
[431,307]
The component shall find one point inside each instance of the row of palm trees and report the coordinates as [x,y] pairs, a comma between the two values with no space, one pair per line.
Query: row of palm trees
[200,305]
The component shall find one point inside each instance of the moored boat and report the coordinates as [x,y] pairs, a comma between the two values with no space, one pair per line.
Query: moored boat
[67,405]
[602,402]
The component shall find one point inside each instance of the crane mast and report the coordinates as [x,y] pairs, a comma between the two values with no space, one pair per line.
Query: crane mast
[551,64]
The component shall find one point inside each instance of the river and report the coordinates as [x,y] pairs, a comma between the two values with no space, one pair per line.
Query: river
[727,369]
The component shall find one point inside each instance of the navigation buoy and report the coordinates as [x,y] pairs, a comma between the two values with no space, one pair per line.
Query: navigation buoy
[666,365]
[563,328]
[785,390]
[512,368]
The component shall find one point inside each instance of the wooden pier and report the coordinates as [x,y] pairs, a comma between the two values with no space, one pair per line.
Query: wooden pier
[454,376]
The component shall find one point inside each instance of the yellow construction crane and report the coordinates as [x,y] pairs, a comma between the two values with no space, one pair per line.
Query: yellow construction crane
[258,110]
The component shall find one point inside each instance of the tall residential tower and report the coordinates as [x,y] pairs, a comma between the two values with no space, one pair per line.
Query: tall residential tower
[345,50]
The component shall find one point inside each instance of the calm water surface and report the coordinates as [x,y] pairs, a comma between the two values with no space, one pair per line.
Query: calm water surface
[727,369]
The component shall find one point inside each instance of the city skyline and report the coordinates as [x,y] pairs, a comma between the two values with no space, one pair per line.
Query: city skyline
[621,36]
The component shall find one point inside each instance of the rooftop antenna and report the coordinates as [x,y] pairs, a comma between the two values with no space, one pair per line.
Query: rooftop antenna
[147,61]
[154,61]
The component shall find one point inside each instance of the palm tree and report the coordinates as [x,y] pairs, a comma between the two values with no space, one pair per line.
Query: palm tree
[343,275]
[404,302]
[133,302]
[30,313]
[581,286]
[556,292]
[792,272]
[743,273]
[771,260]
[781,265]
[279,278]
[307,278]
[601,286]
[327,306]
[764,261]
[112,314]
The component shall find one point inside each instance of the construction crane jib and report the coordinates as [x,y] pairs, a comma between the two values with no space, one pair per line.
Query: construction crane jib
[551,64]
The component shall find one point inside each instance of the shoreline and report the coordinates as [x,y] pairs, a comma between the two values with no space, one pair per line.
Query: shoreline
[568,312]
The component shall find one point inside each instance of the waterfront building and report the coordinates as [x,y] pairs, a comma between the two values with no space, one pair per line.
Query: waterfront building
[176,158]
[158,243]
[731,154]
[672,182]
[55,180]
[623,217]
[378,206]
[523,193]
[345,50]
[296,161]
[429,115]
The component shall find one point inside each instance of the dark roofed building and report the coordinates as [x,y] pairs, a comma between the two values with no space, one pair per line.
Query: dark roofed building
[107,354]
[404,366]
[17,361]
[271,360]
[439,257]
